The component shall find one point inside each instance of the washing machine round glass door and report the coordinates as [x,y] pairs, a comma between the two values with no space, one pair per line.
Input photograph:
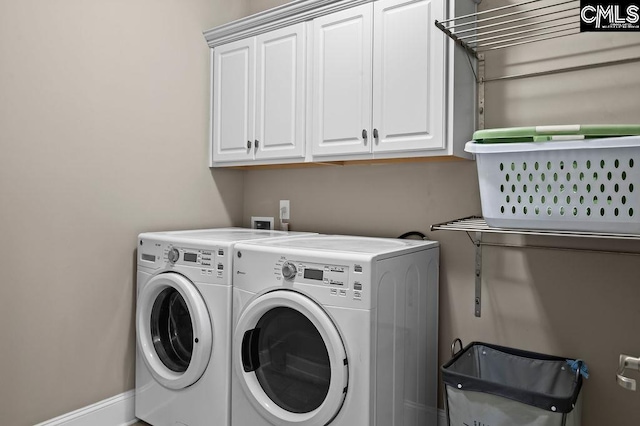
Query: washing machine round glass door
[174,330]
[291,360]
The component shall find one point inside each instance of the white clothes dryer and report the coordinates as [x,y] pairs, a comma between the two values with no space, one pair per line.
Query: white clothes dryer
[183,325]
[335,330]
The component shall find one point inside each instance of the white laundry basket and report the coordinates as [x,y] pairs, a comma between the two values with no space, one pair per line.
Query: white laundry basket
[578,185]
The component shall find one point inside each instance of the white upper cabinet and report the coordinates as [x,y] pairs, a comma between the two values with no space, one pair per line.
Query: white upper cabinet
[280,119]
[378,79]
[258,98]
[408,76]
[233,101]
[341,66]
[336,80]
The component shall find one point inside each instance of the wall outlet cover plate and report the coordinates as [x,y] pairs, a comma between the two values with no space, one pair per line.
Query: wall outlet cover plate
[259,222]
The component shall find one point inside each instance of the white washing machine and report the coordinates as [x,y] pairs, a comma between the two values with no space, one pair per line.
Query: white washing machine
[335,330]
[183,325]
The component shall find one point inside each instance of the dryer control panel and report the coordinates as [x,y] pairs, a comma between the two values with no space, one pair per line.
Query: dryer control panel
[339,280]
[316,273]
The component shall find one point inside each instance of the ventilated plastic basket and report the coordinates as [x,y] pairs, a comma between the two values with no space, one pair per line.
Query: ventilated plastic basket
[579,185]
[490,385]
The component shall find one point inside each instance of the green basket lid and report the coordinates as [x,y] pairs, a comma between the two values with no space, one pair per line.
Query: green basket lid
[549,133]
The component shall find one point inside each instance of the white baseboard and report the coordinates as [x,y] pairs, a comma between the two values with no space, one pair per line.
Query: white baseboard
[118,410]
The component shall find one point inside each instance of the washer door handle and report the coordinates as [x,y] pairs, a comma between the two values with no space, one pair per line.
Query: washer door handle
[250,358]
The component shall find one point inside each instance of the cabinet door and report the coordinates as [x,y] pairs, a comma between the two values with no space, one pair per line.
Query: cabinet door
[280,108]
[408,76]
[233,101]
[341,61]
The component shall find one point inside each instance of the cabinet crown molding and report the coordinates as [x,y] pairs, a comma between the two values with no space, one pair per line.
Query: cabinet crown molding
[278,17]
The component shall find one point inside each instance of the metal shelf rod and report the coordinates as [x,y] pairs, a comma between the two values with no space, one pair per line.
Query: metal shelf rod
[526,37]
[518,12]
[530,41]
[471,15]
[481,42]
[511,21]
[515,27]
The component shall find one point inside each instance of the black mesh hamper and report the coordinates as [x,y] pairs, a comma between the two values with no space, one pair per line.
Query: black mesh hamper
[490,385]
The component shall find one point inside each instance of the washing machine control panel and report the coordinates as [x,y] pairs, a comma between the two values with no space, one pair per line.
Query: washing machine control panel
[211,261]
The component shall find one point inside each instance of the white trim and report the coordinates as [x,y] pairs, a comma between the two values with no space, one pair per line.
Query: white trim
[211,83]
[115,411]
[119,411]
[287,14]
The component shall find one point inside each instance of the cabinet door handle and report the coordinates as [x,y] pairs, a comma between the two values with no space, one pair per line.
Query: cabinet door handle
[375,135]
[248,144]
[364,135]
[257,143]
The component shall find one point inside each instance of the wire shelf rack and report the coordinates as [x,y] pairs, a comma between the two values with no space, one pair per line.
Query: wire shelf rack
[517,24]
[478,224]
[513,25]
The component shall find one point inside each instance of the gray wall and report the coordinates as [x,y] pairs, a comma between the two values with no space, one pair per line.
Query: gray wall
[561,302]
[103,135]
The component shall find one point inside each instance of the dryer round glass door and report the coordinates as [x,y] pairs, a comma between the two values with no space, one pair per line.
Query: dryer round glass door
[174,330]
[291,359]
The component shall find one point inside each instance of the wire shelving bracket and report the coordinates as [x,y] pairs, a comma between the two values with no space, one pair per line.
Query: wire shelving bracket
[476,226]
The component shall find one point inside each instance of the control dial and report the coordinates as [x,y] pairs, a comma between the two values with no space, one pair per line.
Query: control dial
[174,255]
[289,270]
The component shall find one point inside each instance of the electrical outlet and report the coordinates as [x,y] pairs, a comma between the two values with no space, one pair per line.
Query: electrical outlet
[285,210]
